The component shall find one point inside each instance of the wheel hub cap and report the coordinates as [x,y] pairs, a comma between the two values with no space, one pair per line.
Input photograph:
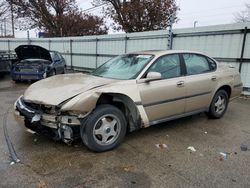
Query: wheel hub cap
[220,105]
[106,129]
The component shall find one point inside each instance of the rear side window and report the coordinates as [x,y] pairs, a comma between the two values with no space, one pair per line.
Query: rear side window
[212,64]
[196,64]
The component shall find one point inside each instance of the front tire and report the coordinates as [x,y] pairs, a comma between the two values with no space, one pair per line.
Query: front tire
[53,72]
[219,104]
[15,80]
[64,70]
[104,129]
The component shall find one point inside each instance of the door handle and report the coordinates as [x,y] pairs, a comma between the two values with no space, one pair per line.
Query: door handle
[180,83]
[214,78]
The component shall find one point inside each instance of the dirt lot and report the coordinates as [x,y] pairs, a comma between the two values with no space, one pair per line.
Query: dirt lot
[137,162]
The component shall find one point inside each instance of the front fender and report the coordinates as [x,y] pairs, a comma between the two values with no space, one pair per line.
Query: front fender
[87,101]
[82,103]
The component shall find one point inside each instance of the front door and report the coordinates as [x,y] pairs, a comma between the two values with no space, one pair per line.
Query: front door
[166,97]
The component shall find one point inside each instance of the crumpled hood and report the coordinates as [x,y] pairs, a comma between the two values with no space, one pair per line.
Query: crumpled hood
[57,89]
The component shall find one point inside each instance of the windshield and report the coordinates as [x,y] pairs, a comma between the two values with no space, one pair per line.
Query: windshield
[123,67]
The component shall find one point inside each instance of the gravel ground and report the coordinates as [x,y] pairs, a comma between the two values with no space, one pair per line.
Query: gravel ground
[139,161]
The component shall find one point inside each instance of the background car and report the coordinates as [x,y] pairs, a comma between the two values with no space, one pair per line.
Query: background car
[5,62]
[128,92]
[35,63]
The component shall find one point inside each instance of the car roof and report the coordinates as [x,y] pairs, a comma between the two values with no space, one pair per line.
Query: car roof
[165,52]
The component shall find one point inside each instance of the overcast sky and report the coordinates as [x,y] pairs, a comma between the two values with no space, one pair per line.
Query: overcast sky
[208,12]
[205,12]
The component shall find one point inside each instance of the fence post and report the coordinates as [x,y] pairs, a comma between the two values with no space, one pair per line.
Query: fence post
[125,41]
[9,46]
[71,55]
[96,53]
[170,32]
[28,37]
[49,41]
[243,48]
[170,40]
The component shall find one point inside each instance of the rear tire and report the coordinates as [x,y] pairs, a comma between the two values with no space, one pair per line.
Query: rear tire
[219,105]
[104,129]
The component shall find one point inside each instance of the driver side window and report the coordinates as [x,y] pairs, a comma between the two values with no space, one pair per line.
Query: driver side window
[169,66]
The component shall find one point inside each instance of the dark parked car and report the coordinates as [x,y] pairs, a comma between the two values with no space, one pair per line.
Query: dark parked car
[5,62]
[35,63]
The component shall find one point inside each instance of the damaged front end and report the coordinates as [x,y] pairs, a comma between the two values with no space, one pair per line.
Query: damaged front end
[48,119]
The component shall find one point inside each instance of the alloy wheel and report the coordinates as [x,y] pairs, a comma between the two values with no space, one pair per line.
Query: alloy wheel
[220,104]
[107,129]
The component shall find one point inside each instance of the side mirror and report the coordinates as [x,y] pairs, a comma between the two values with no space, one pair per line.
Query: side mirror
[151,76]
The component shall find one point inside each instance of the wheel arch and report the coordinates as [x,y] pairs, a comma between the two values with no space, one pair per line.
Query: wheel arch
[226,88]
[126,105]
[212,112]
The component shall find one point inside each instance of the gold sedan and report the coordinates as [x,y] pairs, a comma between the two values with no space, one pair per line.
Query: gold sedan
[128,92]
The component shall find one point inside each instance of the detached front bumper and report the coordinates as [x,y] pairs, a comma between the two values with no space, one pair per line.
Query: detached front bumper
[63,127]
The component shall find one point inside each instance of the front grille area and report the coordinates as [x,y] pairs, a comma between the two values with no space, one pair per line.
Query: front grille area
[43,108]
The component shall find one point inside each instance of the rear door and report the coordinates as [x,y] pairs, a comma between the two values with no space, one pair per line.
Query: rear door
[166,97]
[200,81]
[63,62]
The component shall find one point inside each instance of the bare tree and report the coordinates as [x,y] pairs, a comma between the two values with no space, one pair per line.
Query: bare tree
[243,16]
[5,15]
[56,17]
[4,9]
[139,15]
